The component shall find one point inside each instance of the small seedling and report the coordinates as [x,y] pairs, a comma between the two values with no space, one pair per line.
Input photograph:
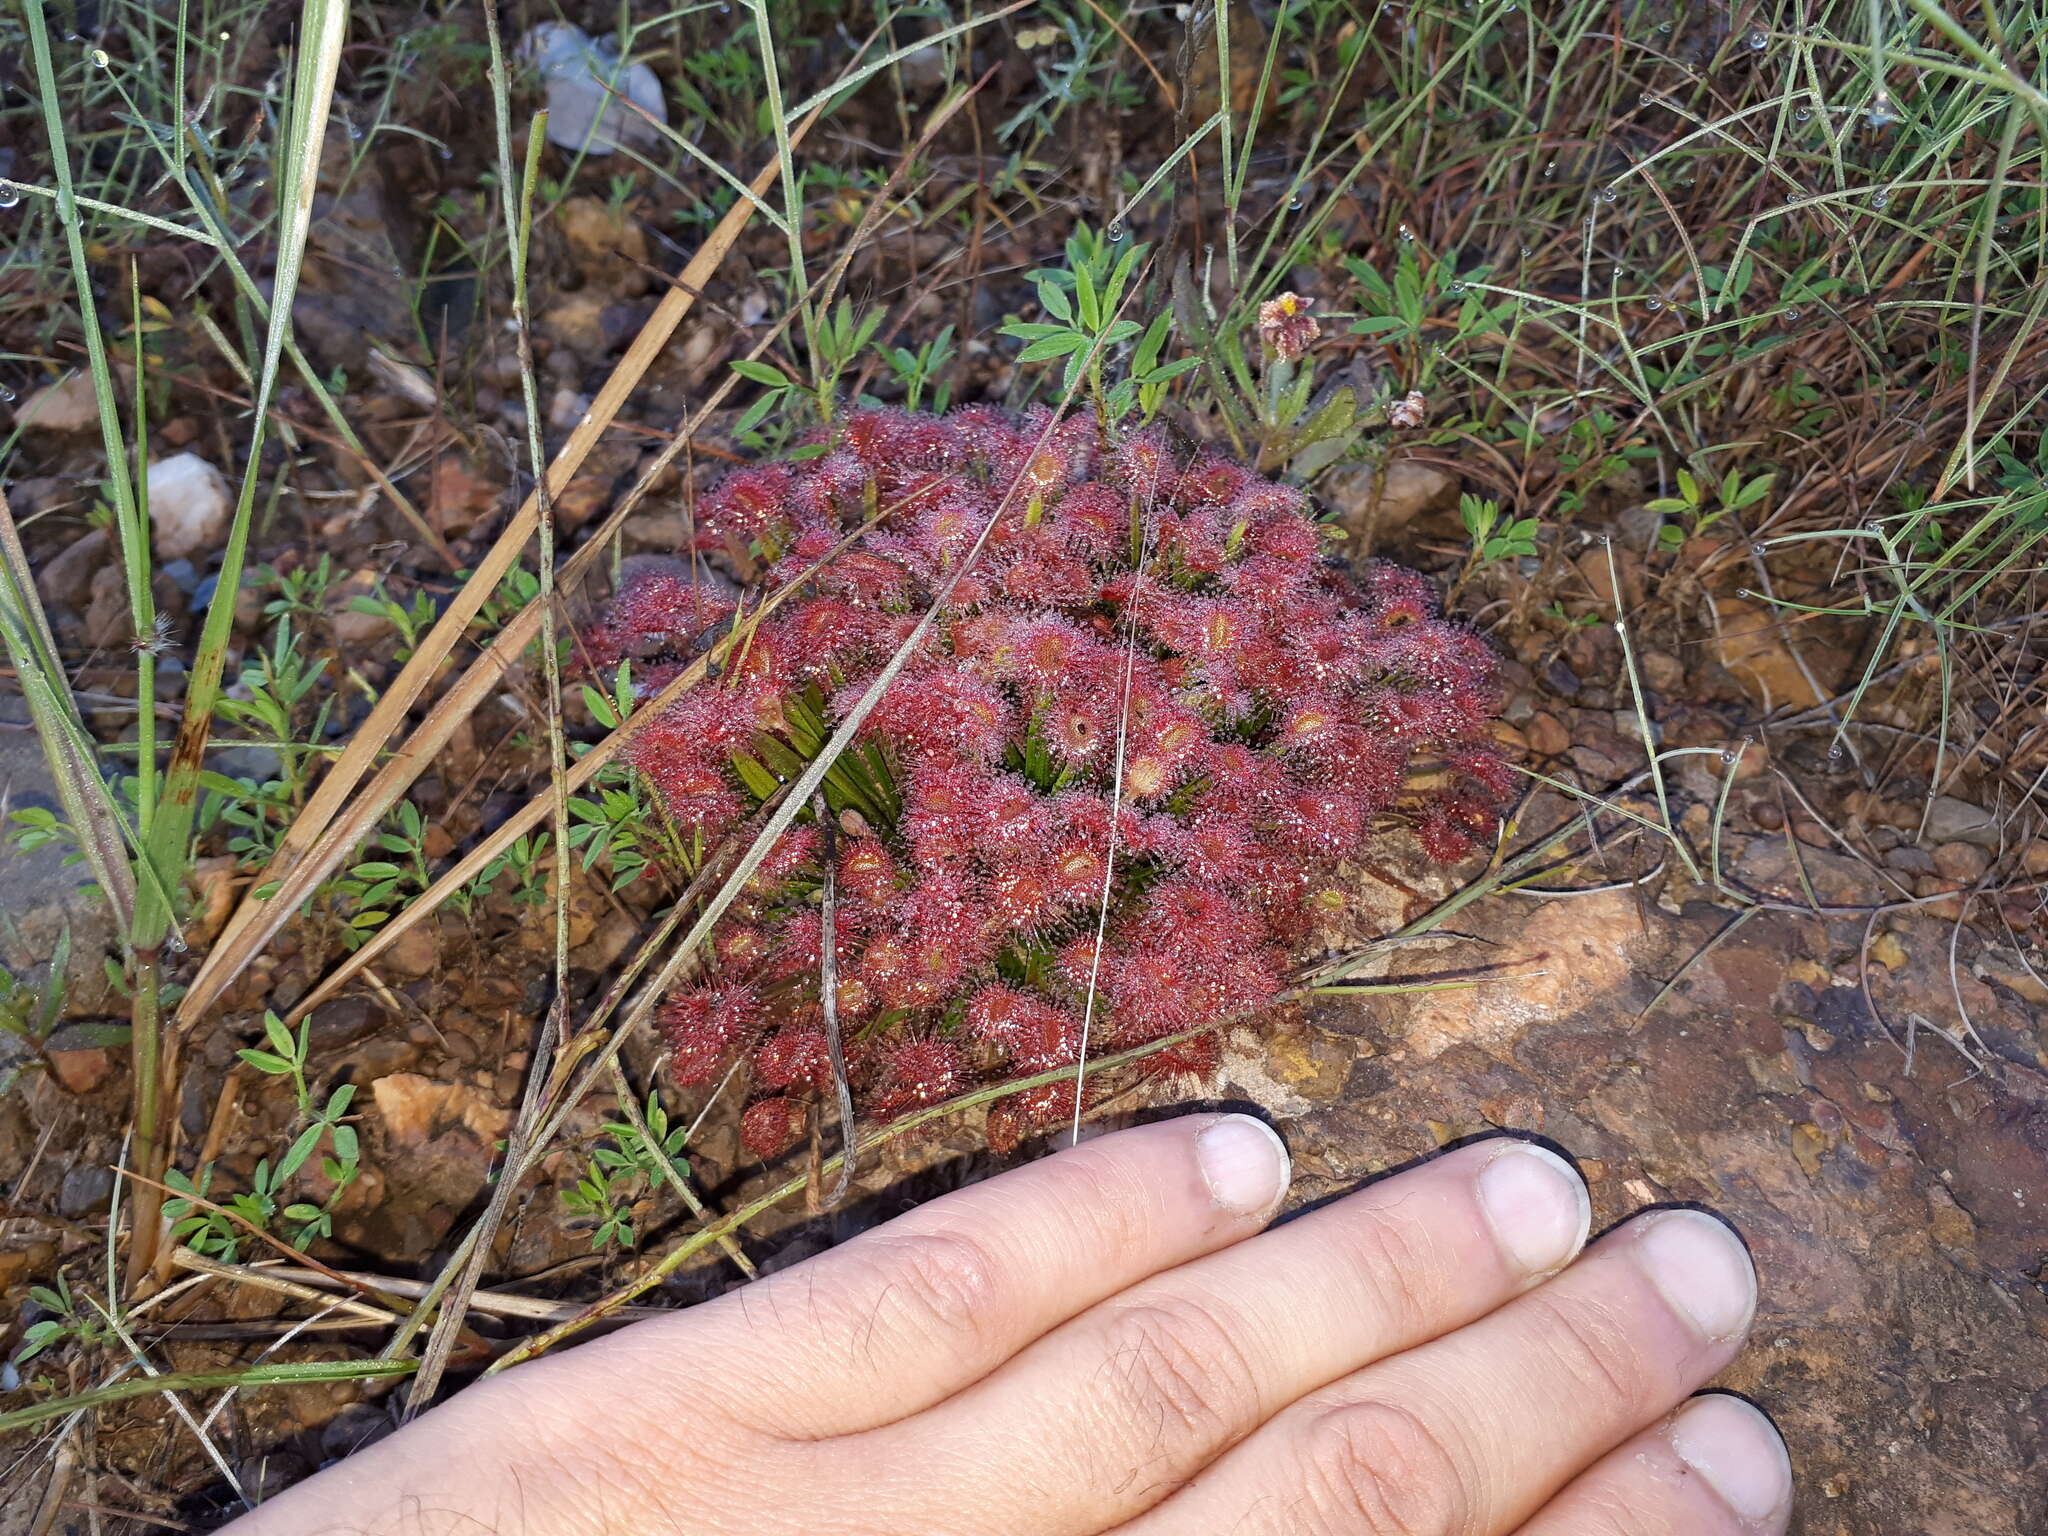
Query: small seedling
[1493,539]
[1085,302]
[1699,505]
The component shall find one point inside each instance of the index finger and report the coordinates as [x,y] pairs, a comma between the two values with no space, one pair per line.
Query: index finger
[905,1315]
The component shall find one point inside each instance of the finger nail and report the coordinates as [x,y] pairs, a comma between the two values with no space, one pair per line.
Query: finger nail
[1736,1452]
[1536,1205]
[1701,1268]
[1244,1164]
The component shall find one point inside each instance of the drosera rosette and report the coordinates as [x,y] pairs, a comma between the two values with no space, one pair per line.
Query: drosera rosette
[1147,724]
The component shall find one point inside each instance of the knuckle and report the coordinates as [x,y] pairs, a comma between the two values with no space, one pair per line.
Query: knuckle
[1177,1372]
[1403,1267]
[1378,1469]
[1598,1357]
[935,1288]
[1119,1212]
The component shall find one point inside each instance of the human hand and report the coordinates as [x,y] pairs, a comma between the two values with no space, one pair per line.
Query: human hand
[1104,1340]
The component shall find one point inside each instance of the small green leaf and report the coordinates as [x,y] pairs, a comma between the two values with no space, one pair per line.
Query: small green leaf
[1052,346]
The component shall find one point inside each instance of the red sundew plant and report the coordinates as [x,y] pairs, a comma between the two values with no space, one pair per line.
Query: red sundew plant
[1148,711]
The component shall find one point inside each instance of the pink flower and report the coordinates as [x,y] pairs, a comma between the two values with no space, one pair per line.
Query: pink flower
[1286,328]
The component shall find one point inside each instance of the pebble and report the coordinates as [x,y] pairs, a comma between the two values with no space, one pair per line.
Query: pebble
[582,113]
[416,952]
[1910,860]
[189,507]
[1950,820]
[350,625]
[1961,861]
[86,1190]
[81,1071]
[65,406]
[1547,735]
[65,580]
[566,409]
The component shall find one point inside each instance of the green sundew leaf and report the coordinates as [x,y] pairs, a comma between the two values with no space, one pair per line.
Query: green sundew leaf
[760,372]
[785,763]
[263,1061]
[760,783]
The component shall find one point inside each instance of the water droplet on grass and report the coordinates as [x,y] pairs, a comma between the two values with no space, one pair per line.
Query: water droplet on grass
[6,394]
[9,197]
[1879,199]
[1838,751]
[1802,114]
[1757,547]
[1116,230]
[100,59]
[1407,233]
[1458,286]
[1608,194]
[1654,303]
[1791,317]
[1759,41]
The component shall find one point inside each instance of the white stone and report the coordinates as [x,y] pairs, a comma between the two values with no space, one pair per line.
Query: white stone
[189,507]
[65,406]
[582,113]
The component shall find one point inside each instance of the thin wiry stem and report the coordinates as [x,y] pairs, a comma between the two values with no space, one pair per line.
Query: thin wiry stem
[1116,795]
